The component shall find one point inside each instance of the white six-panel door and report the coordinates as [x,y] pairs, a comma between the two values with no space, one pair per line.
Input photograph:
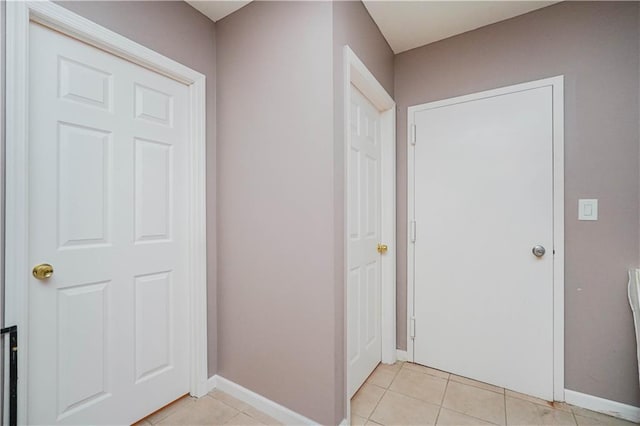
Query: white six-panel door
[107,332]
[483,302]
[363,235]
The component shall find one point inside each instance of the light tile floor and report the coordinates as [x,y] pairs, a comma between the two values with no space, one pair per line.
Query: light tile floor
[406,394]
[403,394]
[216,408]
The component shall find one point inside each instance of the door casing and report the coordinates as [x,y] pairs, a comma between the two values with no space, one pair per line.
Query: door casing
[19,15]
[357,74]
[557,85]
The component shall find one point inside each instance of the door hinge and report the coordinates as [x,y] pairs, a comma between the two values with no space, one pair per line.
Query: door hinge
[412,327]
[413,134]
[412,231]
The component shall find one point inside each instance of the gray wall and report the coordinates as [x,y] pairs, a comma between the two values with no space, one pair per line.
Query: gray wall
[596,46]
[352,26]
[276,306]
[178,31]
[280,189]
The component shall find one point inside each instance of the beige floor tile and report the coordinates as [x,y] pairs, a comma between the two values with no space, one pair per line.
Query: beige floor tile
[525,413]
[611,421]
[476,383]
[427,370]
[554,405]
[243,420]
[392,367]
[229,400]
[475,402]
[262,417]
[397,409]
[366,399]
[419,385]
[383,375]
[170,409]
[358,421]
[205,411]
[588,417]
[372,423]
[451,418]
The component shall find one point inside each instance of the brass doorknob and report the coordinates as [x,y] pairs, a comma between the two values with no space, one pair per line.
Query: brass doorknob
[42,271]
[382,248]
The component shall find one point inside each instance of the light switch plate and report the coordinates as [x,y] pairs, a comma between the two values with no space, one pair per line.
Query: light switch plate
[587,209]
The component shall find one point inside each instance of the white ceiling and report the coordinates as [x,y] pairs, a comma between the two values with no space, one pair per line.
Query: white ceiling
[410,24]
[216,10]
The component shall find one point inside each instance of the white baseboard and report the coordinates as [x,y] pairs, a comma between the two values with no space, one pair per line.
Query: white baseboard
[344,422]
[212,383]
[601,405]
[402,355]
[267,406]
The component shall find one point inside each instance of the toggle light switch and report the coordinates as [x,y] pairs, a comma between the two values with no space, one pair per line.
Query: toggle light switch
[588,209]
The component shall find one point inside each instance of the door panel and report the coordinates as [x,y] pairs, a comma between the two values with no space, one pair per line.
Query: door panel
[483,199]
[107,203]
[364,226]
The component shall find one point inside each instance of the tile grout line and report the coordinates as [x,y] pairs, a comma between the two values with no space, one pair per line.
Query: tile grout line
[446,386]
[249,406]
[573,413]
[504,397]
[383,394]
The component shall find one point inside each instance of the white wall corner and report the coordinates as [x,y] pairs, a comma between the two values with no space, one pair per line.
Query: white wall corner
[267,406]
[601,405]
[402,355]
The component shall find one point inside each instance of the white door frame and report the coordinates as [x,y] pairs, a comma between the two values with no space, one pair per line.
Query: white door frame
[19,15]
[356,73]
[557,85]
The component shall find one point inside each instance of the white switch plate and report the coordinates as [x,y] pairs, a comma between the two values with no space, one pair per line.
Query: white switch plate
[588,209]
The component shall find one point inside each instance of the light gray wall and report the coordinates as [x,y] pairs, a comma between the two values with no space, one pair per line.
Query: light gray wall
[276,284]
[281,191]
[178,31]
[596,46]
[352,26]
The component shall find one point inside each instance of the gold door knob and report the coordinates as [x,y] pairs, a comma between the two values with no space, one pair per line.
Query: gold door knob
[42,271]
[382,248]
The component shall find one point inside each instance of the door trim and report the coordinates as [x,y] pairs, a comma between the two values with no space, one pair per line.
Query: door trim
[557,85]
[18,17]
[356,73]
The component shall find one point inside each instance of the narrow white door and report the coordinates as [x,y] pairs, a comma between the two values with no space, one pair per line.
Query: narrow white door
[107,331]
[483,201]
[363,227]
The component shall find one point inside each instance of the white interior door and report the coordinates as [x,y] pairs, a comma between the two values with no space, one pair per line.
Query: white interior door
[483,199]
[364,343]
[107,154]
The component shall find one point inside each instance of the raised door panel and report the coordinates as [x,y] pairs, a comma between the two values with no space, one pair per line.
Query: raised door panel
[84,84]
[153,190]
[82,352]
[153,105]
[153,325]
[84,185]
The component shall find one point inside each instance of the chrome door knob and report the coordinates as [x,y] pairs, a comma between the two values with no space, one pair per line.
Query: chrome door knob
[538,251]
